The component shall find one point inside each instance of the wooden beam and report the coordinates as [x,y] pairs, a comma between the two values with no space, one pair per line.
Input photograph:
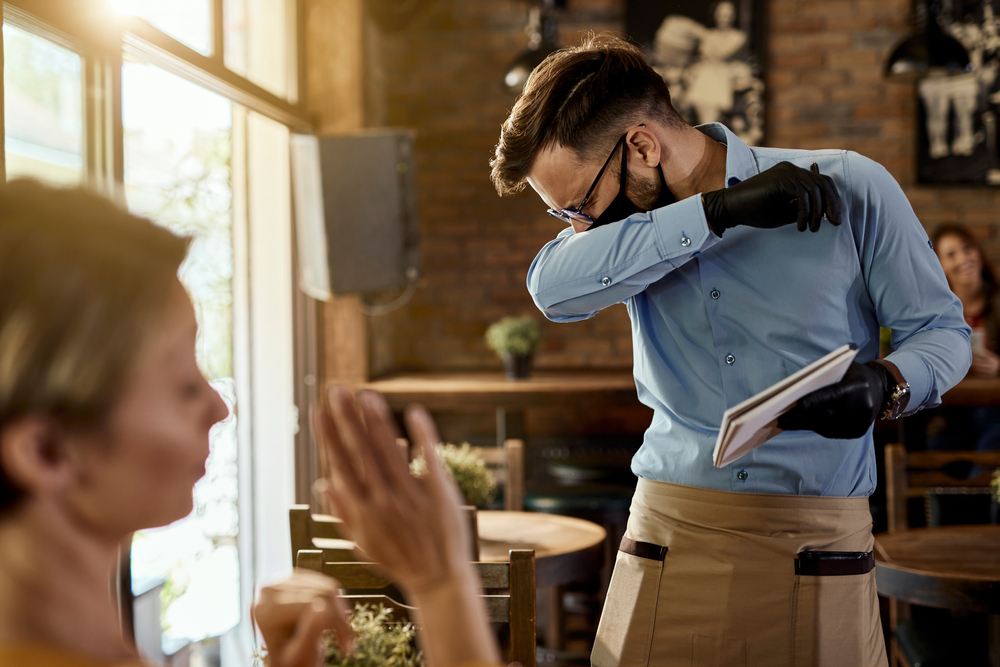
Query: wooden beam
[334,96]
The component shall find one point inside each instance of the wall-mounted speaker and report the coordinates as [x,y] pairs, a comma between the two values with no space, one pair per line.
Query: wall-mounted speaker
[355,211]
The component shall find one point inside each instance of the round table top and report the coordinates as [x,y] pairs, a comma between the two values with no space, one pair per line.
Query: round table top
[464,391]
[949,567]
[968,552]
[566,549]
[974,391]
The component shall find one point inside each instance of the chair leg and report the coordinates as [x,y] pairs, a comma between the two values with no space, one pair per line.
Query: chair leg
[555,629]
[522,611]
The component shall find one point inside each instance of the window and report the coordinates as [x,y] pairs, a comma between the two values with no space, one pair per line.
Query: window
[43,109]
[187,21]
[178,144]
[190,124]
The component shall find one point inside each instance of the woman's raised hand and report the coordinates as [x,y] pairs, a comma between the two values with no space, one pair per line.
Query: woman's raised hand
[411,527]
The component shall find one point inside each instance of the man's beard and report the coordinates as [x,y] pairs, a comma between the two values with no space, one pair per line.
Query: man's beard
[641,191]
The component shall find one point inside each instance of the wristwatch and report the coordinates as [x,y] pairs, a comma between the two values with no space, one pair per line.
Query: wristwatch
[897,393]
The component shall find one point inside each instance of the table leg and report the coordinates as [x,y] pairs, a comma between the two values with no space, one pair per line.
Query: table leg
[510,425]
[993,639]
[556,625]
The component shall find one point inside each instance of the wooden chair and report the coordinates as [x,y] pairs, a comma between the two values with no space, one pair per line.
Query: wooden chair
[507,465]
[318,531]
[515,607]
[924,474]
[325,533]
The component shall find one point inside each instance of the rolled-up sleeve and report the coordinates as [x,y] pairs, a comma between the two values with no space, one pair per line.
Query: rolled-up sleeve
[576,275]
[930,338]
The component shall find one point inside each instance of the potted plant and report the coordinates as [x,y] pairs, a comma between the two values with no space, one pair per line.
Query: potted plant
[467,469]
[379,639]
[514,339]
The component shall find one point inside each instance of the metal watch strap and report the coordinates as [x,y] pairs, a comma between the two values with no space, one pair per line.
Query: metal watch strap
[900,393]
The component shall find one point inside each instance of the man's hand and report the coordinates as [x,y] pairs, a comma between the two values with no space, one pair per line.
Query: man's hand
[293,615]
[845,409]
[774,198]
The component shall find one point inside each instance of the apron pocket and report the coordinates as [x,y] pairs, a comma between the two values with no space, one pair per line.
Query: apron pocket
[835,619]
[625,632]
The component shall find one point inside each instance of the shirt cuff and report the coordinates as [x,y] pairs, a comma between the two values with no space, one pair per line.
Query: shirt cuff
[914,371]
[682,230]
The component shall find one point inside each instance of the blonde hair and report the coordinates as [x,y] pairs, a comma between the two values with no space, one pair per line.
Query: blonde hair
[80,279]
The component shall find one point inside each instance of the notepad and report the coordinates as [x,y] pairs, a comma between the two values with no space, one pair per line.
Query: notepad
[754,421]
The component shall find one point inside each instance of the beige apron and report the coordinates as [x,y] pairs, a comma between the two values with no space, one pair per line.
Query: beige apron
[707,578]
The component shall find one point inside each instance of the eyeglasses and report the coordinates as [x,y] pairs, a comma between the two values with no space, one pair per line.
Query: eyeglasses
[568,215]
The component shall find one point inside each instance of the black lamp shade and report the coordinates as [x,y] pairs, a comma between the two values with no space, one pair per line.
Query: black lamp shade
[927,51]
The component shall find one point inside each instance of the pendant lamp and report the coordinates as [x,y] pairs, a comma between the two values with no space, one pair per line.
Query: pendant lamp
[541,29]
[928,50]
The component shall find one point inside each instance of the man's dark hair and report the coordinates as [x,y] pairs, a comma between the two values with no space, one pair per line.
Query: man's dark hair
[583,97]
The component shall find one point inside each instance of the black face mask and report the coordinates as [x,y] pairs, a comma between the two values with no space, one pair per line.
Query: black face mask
[622,207]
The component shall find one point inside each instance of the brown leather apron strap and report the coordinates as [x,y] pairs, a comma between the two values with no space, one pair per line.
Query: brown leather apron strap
[834,563]
[646,550]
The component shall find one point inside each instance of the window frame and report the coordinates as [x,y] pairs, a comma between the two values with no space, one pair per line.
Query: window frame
[103,46]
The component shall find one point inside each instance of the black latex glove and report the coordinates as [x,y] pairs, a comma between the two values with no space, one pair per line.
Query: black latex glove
[779,196]
[845,409]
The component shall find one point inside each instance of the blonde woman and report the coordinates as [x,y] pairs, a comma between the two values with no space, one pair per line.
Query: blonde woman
[104,423]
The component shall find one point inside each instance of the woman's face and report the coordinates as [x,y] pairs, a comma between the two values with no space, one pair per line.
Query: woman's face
[140,470]
[960,260]
[725,12]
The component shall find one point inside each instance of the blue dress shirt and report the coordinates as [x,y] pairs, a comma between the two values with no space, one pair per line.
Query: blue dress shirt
[714,321]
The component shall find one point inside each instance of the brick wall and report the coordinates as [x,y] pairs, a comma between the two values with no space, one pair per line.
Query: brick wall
[442,76]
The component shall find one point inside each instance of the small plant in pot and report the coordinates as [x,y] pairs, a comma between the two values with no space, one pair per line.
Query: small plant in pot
[468,470]
[514,339]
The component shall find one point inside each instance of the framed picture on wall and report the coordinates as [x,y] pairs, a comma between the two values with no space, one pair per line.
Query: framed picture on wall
[710,55]
[957,137]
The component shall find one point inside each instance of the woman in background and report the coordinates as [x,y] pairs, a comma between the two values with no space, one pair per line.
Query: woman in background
[104,425]
[973,281]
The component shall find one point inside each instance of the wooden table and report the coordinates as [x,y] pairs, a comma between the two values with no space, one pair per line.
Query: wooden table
[566,550]
[460,392]
[970,392]
[948,567]
[974,391]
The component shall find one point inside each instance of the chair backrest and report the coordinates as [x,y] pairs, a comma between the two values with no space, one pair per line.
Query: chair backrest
[325,533]
[516,607]
[920,474]
[318,531]
[507,465]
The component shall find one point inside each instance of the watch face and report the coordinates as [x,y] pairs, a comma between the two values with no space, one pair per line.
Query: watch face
[900,398]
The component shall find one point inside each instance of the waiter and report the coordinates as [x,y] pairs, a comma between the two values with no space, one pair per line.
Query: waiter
[767,561]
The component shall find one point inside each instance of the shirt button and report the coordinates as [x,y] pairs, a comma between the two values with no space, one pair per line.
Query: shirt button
[716,294]
[730,359]
[743,474]
[685,241]
[732,181]
[605,281]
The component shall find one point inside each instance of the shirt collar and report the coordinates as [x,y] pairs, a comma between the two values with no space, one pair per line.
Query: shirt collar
[740,161]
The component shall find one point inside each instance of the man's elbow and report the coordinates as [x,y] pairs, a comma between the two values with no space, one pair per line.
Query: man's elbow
[559,311]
